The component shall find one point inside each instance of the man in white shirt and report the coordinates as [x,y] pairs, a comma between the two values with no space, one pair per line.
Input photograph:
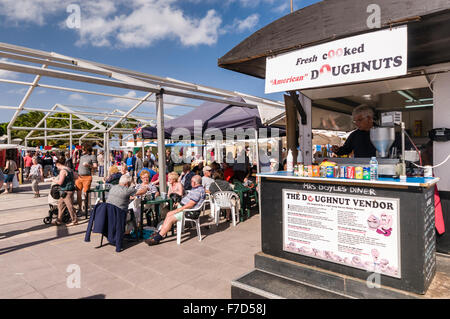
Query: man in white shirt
[206,179]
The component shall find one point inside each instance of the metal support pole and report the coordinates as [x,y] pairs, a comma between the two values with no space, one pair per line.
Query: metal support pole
[403,164]
[161,150]
[258,170]
[106,153]
[45,132]
[70,144]
[257,151]
[143,147]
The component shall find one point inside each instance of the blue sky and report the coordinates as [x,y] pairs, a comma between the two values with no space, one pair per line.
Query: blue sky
[181,39]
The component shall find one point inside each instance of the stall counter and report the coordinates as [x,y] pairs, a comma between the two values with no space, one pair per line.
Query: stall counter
[352,227]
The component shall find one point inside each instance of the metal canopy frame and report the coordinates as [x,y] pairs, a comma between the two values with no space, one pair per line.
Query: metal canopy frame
[106,76]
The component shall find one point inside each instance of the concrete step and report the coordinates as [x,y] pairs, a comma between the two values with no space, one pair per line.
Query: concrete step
[350,286]
[258,284]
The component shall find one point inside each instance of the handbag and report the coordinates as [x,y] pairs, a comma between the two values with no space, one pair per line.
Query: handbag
[6,170]
[192,215]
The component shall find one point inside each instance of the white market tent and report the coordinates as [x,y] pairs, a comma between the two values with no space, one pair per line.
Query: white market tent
[54,67]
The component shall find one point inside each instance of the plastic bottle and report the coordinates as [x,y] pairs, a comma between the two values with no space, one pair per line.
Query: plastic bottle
[299,157]
[373,168]
[290,162]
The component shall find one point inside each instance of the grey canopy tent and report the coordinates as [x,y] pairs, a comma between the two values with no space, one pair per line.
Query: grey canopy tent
[150,132]
[215,116]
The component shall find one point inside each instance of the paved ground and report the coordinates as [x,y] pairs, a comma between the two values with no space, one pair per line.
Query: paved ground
[34,258]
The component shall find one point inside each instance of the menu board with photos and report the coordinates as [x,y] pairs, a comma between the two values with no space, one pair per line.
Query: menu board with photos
[356,231]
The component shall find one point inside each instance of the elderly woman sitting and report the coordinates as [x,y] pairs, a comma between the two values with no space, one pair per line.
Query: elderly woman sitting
[144,189]
[113,176]
[176,190]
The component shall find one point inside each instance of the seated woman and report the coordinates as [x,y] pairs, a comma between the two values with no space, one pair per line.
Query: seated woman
[250,179]
[176,189]
[144,189]
[113,176]
[124,169]
[219,184]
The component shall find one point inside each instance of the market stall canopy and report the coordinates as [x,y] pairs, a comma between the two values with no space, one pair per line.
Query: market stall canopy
[428,36]
[212,117]
[151,132]
[181,144]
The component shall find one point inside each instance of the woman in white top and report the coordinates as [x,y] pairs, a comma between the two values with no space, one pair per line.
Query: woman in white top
[36,175]
[143,189]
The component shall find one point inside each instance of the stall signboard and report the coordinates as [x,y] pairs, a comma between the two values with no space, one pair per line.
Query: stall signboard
[370,56]
[356,231]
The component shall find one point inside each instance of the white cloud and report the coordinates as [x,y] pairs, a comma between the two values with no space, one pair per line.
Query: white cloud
[144,22]
[250,3]
[34,11]
[20,91]
[247,24]
[284,8]
[120,23]
[239,26]
[136,23]
[76,97]
[116,101]
[4,74]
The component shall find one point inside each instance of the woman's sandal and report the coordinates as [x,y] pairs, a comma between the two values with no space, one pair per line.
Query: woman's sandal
[72,224]
[58,223]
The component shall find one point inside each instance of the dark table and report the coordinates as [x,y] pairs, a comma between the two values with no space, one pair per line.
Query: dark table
[99,191]
[157,202]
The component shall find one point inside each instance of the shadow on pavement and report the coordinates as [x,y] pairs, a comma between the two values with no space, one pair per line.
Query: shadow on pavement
[61,232]
[26,230]
[99,296]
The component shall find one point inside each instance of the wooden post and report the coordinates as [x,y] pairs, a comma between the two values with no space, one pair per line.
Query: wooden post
[291,125]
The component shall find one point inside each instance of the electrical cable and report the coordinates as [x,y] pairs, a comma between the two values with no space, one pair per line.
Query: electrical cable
[448,157]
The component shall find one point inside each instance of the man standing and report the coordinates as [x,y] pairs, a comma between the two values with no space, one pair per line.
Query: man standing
[48,164]
[87,163]
[101,164]
[194,199]
[186,177]
[358,141]
[27,162]
[131,162]
[170,165]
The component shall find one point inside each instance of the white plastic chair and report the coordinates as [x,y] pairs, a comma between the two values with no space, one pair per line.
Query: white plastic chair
[225,199]
[210,201]
[180,224]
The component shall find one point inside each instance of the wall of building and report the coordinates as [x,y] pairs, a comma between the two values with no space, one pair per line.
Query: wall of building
[441,118]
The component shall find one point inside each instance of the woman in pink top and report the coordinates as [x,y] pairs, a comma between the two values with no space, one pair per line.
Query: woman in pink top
[176,189]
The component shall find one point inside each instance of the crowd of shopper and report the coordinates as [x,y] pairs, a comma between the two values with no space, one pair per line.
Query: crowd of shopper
[132,176]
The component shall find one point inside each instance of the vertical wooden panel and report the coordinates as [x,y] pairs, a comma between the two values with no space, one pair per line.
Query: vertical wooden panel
[291,125]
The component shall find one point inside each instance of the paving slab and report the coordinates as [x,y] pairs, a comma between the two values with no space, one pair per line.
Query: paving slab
[34,258]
